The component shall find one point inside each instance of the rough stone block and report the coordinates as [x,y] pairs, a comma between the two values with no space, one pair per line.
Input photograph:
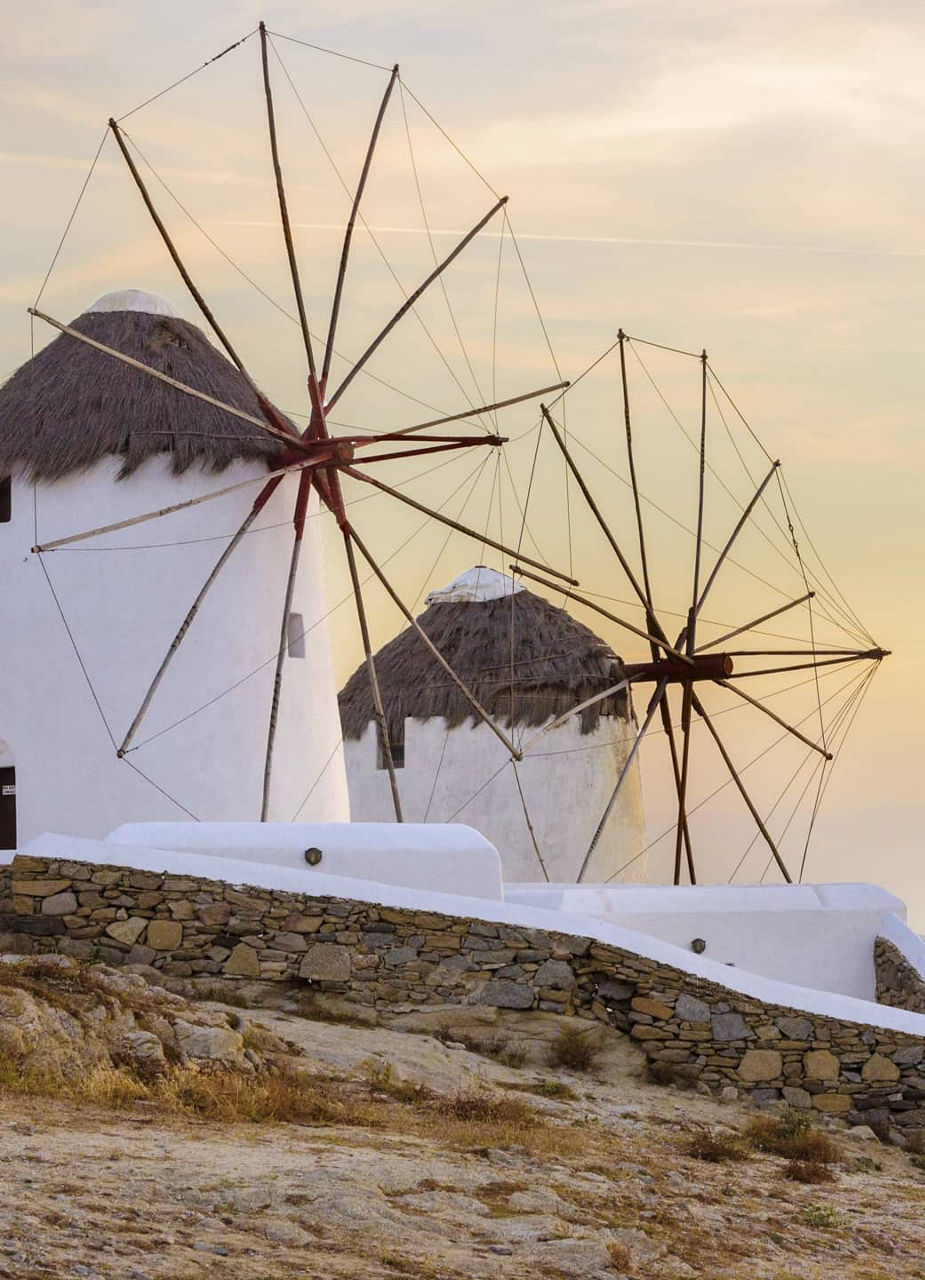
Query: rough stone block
[164,935]
[242,963]
[504,994]
[797,1028]
[878,1068]
[652,1008]
[820,1064]
[325,962]
[40,888]
[60,904]
[760,1064]
[215,913]
[729,1026]
[690,1009]
[797,1098]
[128,931]
[832,1103]
[556,974]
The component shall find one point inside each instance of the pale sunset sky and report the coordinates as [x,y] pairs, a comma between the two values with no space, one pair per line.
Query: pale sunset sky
[745,177]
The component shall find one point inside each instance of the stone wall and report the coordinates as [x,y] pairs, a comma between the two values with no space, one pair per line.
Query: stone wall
[396,959]
[898,982]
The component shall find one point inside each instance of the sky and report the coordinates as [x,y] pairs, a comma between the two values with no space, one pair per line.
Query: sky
[741,177]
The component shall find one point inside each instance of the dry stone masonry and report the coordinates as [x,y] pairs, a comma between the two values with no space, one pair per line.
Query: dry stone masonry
[898,983]
[393,959]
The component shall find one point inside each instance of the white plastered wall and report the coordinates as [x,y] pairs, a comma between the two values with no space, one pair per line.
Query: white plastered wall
[566,781]
[123,607]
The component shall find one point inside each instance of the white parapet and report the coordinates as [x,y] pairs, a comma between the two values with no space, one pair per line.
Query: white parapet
[811,935]
[446,859]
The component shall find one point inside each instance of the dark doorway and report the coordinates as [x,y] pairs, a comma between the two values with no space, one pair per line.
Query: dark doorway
[7,807]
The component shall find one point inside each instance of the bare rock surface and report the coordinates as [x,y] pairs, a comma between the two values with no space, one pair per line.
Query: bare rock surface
[596,1184]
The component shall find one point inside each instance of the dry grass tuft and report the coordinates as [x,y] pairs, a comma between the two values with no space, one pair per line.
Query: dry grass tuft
[715,1148]
[558,1090]
[481,1106]
[792,1136]
[575,1049]
[808,1171]
[620,1256]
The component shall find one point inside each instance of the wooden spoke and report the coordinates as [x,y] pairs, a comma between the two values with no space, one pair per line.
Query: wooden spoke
[691,628]
[437,448]
[172,250]
[875,655]
[301,507]
[596,512]
[351,222]
[724,684]
[163,377]
[284,215]
[460,685]
[698,707]
[410,301]
[740,525]
[452,524]
[480,409]
[627,765]
[167,511]
[637,503]
[378,708]
[574,711]
[682,780]
[605,613]
[750,626]
[262,498]
[676,773]
[797,653]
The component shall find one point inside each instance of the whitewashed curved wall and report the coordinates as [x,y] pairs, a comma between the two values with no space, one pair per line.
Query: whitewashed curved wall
[124,607]
[566,782]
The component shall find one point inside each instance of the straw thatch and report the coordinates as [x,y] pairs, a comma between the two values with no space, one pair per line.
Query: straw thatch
[524,659]
[72,405]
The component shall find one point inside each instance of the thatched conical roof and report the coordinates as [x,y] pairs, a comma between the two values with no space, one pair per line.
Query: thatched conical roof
[72,405]
[525,660]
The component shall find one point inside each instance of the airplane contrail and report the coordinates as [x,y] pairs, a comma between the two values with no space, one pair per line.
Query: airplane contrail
[624,240]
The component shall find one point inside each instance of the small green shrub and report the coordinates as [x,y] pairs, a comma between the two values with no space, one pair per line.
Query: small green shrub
[822,1217]
[918,1162]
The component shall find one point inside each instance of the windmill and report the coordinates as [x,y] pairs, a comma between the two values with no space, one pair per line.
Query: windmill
[318,458]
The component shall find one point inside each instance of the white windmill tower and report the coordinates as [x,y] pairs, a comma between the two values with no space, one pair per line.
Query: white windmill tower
[87,440]
[533,667]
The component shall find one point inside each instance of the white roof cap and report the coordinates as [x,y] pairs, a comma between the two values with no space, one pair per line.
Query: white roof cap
[135,300]
[475,586]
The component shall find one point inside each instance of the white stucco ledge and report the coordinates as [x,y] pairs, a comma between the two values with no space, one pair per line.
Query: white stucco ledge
[451,858]
[240,873]
[810,935]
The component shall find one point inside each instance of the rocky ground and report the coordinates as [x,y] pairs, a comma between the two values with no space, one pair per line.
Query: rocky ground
[418,1156]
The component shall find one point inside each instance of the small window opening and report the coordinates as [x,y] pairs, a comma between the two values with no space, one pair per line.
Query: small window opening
[295,636]
[7,807]
[6,499]
[396,742]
